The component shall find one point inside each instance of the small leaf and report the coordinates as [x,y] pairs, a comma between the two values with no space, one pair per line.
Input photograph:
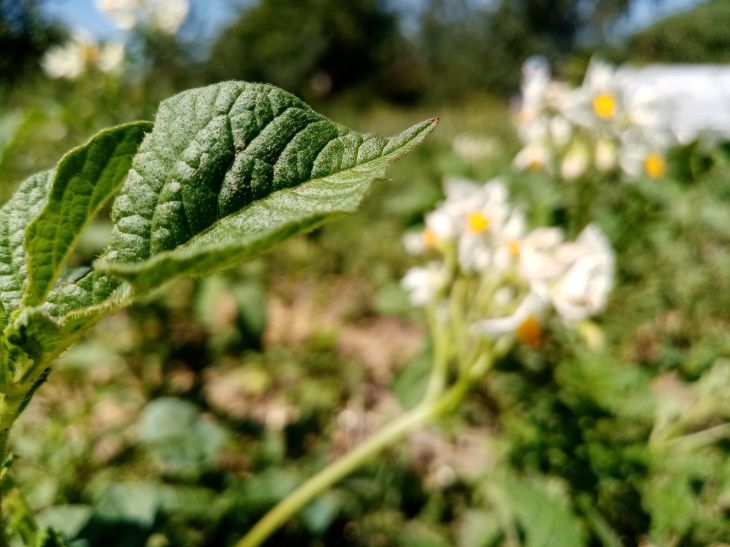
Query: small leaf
[231,169]
[84,181]
[67,519]
[546,520]
[15,215]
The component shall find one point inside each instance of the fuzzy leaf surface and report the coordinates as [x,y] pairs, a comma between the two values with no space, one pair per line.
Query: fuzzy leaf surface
[83,182]
[231,169]
[15,216]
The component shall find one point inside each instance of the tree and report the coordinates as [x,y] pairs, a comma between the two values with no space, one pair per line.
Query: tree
[24,35]
[696,36]
[316,47]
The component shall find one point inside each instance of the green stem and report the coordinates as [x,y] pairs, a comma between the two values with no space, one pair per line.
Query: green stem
[440,368]
[333,473]
[702,438]
[7,418]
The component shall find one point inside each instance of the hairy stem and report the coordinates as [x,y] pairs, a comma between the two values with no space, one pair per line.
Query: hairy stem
[7,418]
[297,500]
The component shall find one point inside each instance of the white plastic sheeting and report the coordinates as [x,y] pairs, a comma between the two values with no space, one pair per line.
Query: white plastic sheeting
[694,98]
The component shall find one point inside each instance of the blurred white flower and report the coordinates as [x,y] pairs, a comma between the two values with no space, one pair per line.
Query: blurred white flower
[168,15]
[65,61]
[516,277]
[606,154]
[474,148]
[164,15]
[111,56]
[81,52]
[538,265]
[423,284]
[122,12]
[524,322]
[609,122]
[561,130]
[576,160]
[508,244]
[598,100]
[582,290]
[485,213]
[640,157]
[536,156]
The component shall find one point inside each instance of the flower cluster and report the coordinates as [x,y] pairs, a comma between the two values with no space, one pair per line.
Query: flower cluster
[164,15]
[605,124]
[81,53]
[509,279]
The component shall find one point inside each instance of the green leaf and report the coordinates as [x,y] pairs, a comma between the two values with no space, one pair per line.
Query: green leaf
[15,215]
[84,181]
[231,169]
[546,520]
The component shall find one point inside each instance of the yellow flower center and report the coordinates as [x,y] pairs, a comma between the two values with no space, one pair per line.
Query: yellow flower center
[604,105]
[429,238]
[477,222]
[529,332]
[90,53]
[534,165]
[513,246]
[655,166]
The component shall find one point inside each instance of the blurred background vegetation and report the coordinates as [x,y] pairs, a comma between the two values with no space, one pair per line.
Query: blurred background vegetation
[181,421]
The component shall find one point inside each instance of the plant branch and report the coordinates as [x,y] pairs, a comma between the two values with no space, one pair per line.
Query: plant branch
[330,475]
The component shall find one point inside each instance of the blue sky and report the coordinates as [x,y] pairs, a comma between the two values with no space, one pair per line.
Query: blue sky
[210,15]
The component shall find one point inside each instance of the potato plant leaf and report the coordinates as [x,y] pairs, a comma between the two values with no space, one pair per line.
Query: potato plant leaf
[15,215]
[83,182]
[227,171]
[231,169]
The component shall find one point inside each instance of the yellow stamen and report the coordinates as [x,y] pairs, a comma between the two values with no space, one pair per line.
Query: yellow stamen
[529,332]
[604,105]
[534,165]
[477,222]
[655,166]
[90,53]
[513,246]
[429,238]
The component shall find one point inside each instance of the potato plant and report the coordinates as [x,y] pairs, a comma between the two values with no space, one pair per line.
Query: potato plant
[223,174]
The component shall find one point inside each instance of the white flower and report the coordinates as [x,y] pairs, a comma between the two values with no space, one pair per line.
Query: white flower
[111,56]
[561,130]
[538,264]
[582,290]
[423,284]
[484,212]
[168,15]
[65,61]
[164,15]
[122,12]
[576,160]
[641,156]
[606,154]
[523,322]
[535,80]
[73,58]
[69,60]
[535,156]
[599,100]
[475,148]
[508,246]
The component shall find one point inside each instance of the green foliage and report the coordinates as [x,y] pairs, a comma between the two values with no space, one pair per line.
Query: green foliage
[698,35]
[314,47]
[626,444]
[24,35]
[227,172]
[85,179]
